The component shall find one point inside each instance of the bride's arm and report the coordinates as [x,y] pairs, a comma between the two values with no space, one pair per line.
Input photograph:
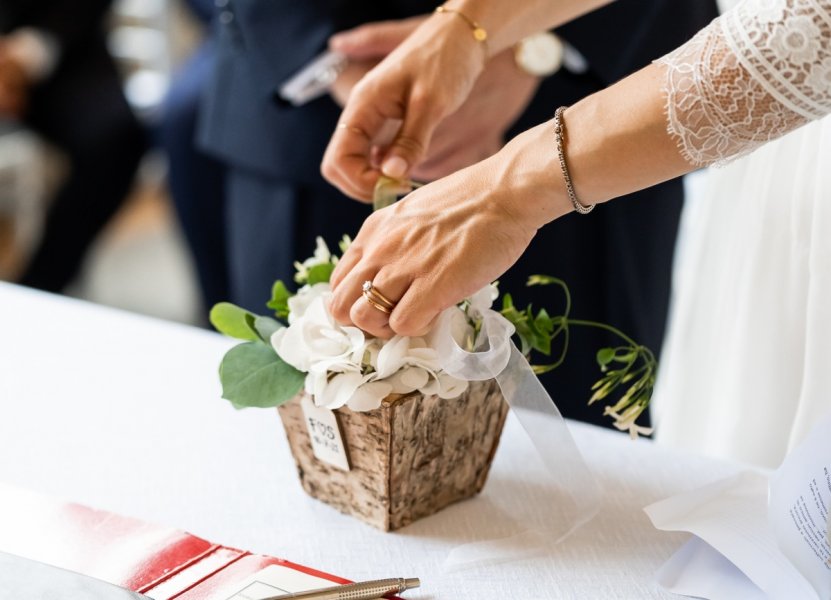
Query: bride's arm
[751,76]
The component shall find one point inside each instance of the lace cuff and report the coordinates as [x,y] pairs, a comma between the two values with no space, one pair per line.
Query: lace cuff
[754,74]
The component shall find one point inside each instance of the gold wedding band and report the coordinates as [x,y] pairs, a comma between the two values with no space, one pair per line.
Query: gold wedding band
[353,129]
[376,298]
[380,307]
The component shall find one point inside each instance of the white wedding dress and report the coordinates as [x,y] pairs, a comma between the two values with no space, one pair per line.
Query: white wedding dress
[746,368]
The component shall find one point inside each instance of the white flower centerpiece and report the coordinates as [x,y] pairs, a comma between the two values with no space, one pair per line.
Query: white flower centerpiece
[378,428]
[343,366]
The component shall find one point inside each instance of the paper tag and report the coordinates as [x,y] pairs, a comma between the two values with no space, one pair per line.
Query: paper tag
[324,432]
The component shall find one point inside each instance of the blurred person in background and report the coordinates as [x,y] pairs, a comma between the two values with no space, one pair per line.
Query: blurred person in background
[57,79]
[196,179]
[616,261]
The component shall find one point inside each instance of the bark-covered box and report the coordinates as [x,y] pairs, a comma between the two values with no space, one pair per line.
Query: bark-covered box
[407,459]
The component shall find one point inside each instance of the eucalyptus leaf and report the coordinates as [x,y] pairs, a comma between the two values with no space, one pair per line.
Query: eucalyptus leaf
[266,326]
[233,321]
[253,375]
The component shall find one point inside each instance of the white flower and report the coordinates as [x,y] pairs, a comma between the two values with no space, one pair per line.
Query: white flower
[798,41]
[343,368]
[483,300]
[333,391]
[303,298]
[444,386]
[409,364]
[315,342]
[626,421]
[321,256]
[369,395]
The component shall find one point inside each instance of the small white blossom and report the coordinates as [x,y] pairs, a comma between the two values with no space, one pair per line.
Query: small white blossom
[321,256]
[483,300]
[314,341]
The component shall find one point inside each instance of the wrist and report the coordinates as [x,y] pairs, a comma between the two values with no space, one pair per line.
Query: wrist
[527,169]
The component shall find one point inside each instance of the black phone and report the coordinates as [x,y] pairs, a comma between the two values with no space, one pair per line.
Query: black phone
[24,579]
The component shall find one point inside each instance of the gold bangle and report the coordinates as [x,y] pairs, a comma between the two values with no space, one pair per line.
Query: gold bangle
[479,33]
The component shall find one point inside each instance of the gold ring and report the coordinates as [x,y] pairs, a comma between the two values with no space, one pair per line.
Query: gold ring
[376,298]
[380,307]
[353,129]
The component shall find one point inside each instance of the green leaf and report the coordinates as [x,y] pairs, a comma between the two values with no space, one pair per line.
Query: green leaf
[253,375]
[507,302]
[320,273]
[279,302]
[605,356]
[233,321]
[265,327]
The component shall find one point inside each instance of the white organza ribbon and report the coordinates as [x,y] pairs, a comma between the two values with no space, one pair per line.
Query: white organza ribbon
[575,491]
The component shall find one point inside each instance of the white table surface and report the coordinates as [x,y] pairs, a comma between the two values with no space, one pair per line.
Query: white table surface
[123,413]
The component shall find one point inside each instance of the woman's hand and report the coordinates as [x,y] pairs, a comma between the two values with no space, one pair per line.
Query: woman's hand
[449,238]
[472,133]
[425,79]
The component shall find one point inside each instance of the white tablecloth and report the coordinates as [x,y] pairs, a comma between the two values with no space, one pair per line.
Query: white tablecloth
[122,412]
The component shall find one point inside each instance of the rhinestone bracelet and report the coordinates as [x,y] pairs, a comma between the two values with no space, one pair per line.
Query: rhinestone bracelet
[559,135]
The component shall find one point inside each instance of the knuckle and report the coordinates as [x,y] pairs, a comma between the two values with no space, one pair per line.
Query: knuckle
[410,145]
[402,324]
[328,169]
[340,309]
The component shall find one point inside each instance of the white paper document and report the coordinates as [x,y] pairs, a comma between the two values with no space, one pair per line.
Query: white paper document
[756,536]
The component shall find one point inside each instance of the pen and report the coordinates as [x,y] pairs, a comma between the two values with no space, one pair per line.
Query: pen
[366,590]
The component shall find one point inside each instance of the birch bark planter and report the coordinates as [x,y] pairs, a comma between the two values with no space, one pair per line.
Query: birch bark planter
[408,459]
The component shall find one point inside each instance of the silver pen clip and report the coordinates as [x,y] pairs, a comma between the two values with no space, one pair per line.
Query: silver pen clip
[313,80]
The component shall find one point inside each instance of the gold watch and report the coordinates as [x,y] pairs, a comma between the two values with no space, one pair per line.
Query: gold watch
[540,54]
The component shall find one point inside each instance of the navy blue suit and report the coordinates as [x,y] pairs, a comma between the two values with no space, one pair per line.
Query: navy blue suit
[616,260]
[196,179]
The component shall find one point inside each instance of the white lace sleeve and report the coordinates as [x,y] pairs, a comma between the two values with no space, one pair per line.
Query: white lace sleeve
[754,74]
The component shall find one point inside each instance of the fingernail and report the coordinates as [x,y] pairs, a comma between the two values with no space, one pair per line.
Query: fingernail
[335,41]
[395,167]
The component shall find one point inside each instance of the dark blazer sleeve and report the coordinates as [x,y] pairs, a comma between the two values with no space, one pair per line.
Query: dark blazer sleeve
[70,21]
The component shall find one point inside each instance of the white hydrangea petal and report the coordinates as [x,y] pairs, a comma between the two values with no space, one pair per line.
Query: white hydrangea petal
[355,337]
[311,384]
[431,388]
[369,396]
[292,348]
[483,300]
[339,390]
[413,377]
[371,351]
[392,355]
[450,387]
[277,338]
[299,303]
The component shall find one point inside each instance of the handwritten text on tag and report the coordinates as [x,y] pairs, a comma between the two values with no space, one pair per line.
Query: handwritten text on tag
[324,432]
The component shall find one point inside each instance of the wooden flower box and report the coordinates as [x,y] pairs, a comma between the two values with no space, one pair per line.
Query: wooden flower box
[407,459]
